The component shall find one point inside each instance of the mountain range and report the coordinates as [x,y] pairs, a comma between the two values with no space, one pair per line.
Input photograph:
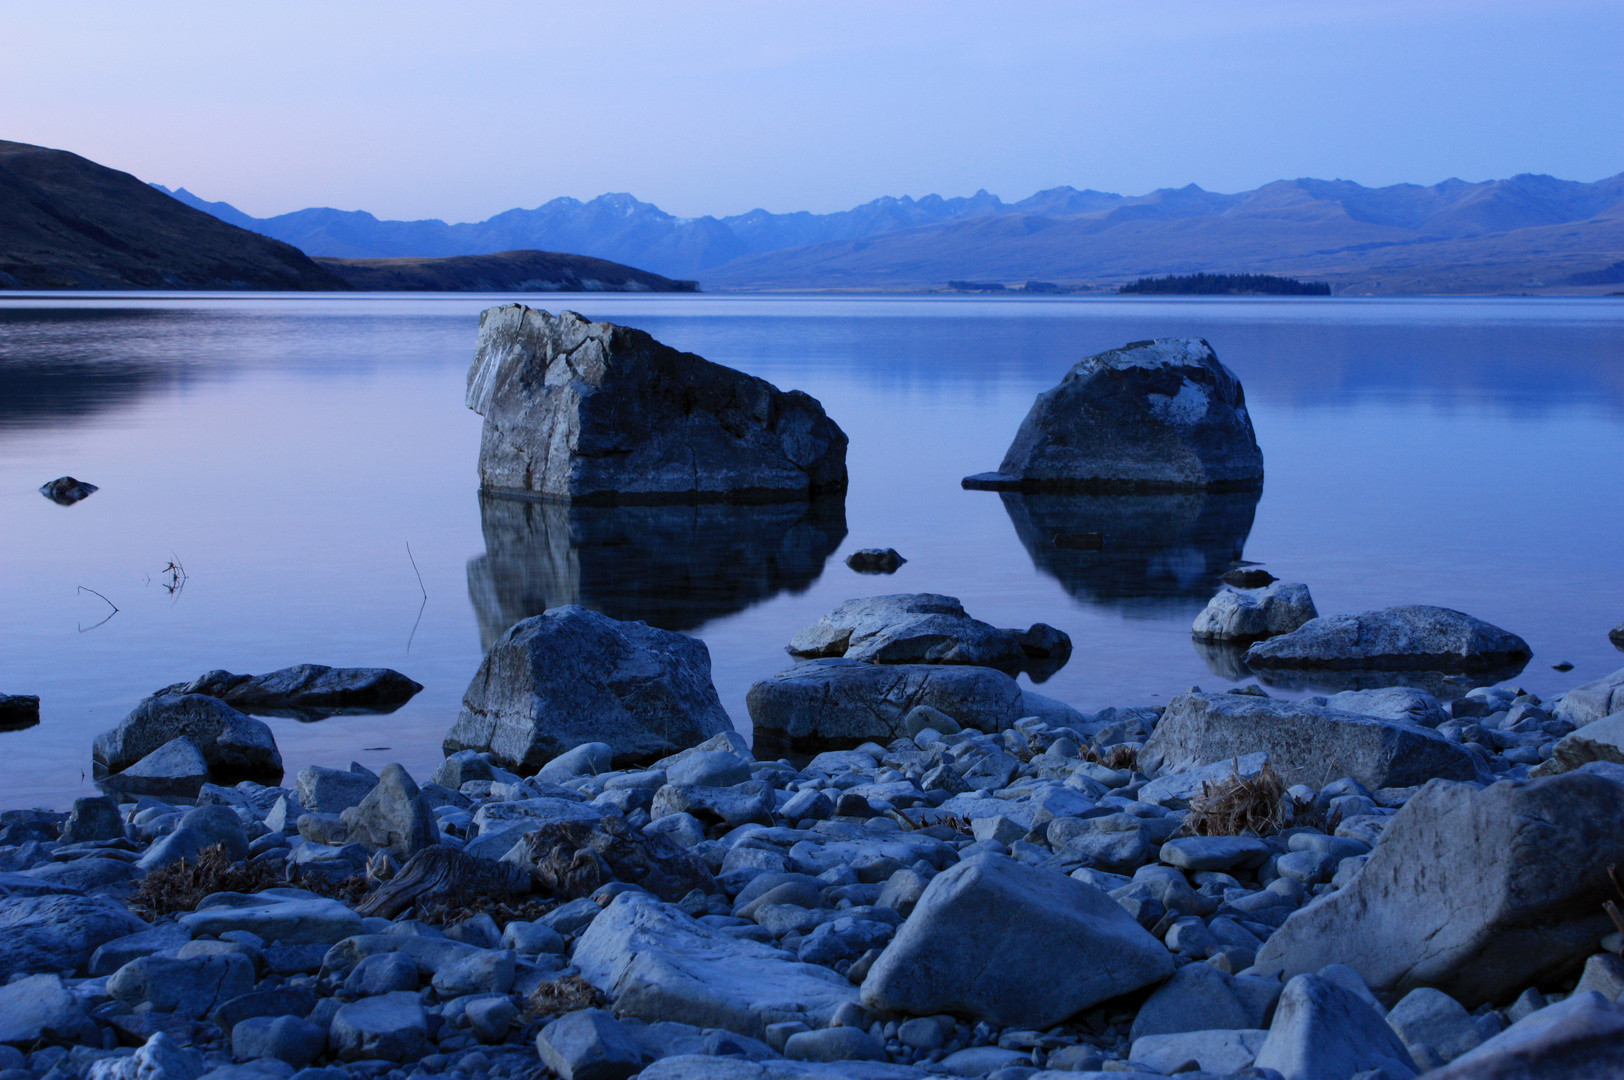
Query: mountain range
[1527,233]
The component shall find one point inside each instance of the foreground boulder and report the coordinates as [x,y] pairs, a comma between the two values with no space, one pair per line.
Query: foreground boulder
[1412,638]
[836,701]
[305,686]
[58,933]
[1477,892]
[1306,744]
[659,964]
[1237,614]
[922,628]
[589,411]
[1150,417]
[227,739]
[1012,944]
[572,676]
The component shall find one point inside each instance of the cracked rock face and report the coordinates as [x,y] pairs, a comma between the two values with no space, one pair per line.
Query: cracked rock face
[598,413]
[1151,417]
[1476,892]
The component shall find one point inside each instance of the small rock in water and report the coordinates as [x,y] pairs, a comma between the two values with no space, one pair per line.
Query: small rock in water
[18,711]
[1563,666]
[65,490]
[1248,577]
[875,561]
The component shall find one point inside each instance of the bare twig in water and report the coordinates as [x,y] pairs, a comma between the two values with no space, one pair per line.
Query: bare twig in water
[415,570]
[93,592]
[425,592]
[175,575]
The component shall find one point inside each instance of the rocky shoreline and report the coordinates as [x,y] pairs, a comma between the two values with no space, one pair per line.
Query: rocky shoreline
[1372,884]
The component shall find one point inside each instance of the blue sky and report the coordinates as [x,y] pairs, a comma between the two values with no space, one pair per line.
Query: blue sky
[461,110]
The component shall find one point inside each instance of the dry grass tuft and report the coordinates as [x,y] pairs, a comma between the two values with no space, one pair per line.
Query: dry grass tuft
[1239,805]
[180,885]
[1120,756]
[562,996]
[459,909]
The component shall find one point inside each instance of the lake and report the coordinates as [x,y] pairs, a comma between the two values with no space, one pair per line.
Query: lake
[286,450]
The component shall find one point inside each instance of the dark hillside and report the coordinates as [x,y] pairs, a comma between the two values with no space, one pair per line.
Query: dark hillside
[507,271]
[69,223]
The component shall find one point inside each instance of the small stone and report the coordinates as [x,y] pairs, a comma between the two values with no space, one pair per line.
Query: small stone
[484,972]
[834,1044]
[40,1007]
[1432,1017]
[1216,852]
[875,560]
[491,1018]
[393,816]
[382,973]
[531,938]
[331,791]
[1322,1029]
[710,768]
[589,1044]
[1603,973]
[160,1058]
[286,1038]
[92,818]
[389,1027]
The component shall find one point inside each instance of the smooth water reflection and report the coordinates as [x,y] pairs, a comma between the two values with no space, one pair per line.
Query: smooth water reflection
[672,566]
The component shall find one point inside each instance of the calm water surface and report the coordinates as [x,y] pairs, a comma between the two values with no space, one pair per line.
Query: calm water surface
[286,451]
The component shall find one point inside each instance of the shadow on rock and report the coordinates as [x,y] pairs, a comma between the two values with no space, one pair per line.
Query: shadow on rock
[671,566]
[1143,551]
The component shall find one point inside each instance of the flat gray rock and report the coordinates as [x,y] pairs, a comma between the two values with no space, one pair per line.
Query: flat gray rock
[1012,944]
[591,411]
[572,676]
[1306,744]
[280,922]
[656,963]
[227,738]
[40,1007]
[1216,852]
[58,933]
[589,1044]
[1150,417]
[1392,703]
[1476,892]
[1416,637]
[177,767]
[841,701]
[908,628]
[389,1027]
[1250,614]
[331,791]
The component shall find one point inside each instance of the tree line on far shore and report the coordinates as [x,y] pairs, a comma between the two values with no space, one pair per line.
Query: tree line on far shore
[1227,284]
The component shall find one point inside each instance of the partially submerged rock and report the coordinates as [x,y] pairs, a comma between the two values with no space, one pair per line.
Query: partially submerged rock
[1474,891]
[572,676]
[18,711]
[1306,744]
[227,739]
[1238,614]
[923,628]
[1414,637]
[997,940]
[875,561]
[65,490]
[588,411]
[1150,417]
[305,689]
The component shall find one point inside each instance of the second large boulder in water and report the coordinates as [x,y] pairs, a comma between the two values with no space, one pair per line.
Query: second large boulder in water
[573,676]
[589,411]
[1152,416]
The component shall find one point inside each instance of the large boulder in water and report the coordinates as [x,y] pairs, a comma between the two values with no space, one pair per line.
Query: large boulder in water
[594,412]
[1478,892]
[1150,417]
[1306,744]
[572,676]
[1416,637]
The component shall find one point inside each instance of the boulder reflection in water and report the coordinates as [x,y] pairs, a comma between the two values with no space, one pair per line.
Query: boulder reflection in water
[1154,550]
[672,566]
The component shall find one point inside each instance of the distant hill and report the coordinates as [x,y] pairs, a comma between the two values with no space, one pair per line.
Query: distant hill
[69,223]
[1526,232]
[506,271]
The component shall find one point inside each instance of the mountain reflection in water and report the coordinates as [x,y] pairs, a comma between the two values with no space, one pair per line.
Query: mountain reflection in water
[673,566]
[1154,551]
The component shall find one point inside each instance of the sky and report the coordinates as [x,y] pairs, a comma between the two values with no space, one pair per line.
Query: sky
[462,110]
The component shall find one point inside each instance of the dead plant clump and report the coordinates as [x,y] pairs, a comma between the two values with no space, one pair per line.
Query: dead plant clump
[1120,756]
[448,912]
[1238,805]
[562,996]
[184,883]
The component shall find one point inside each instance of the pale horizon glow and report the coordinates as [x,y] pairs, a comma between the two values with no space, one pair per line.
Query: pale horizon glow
[421,110]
